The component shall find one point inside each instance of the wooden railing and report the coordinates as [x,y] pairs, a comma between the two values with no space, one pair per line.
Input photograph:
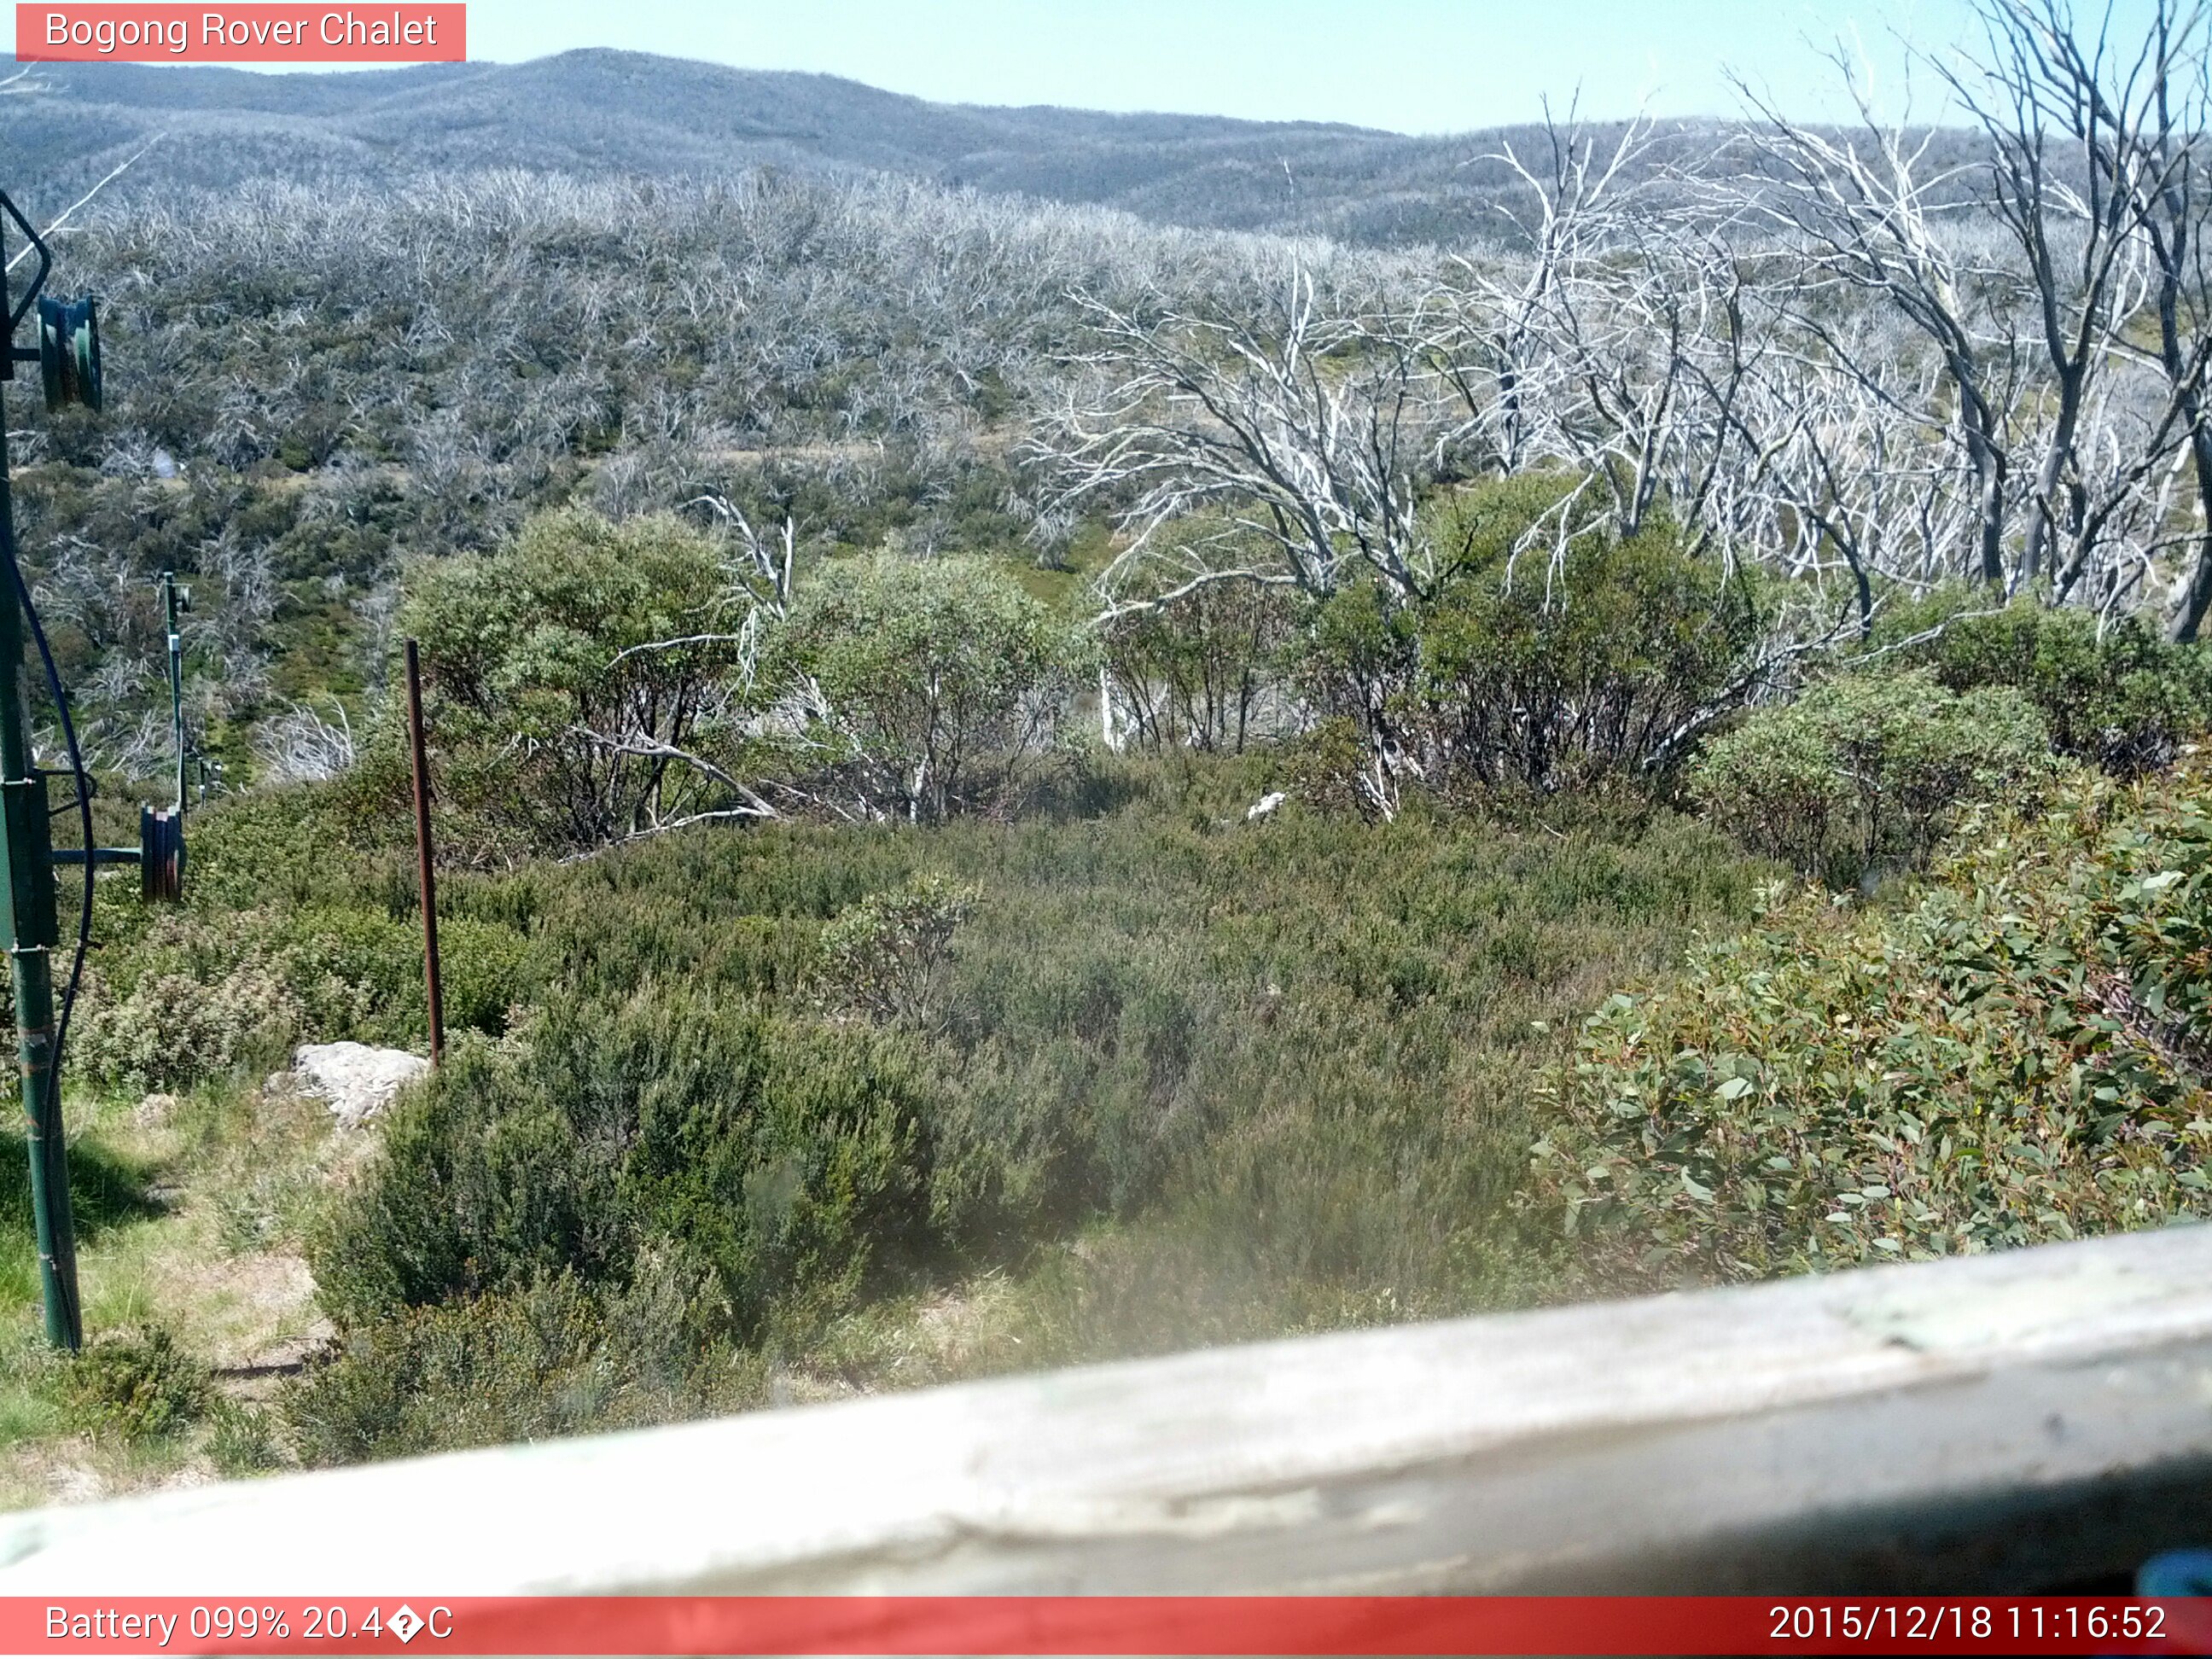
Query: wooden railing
[2022,1421]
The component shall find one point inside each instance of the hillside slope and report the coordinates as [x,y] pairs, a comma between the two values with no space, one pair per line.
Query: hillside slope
[598,111]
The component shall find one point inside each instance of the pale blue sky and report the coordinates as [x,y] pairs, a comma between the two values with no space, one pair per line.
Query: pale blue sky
[1411,65]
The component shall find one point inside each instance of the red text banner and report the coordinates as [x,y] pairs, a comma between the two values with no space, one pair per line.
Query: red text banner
[1103,1625]
[261,33]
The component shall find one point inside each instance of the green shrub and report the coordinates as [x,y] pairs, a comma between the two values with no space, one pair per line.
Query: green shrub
[782,1161]
[2113,692]
[551,1358]
[141,1385]
[358,974]
[241,1440]
[553,725]
[1220,1077]
[173,1030]
[1197,669]
[208,992]
[1537,671]
[941,681]
[1611,662]
[1332,769]
[1355,663]
[1869,770]
[297,846]
[483,970]
[885,958]
[2020,1056]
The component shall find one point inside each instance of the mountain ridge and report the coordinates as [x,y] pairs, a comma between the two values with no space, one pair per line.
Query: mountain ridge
[599,111]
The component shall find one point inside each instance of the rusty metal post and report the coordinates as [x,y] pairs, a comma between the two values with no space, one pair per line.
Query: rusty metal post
[422,856]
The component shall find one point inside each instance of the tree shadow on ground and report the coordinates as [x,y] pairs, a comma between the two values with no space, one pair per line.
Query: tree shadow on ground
[106,1190]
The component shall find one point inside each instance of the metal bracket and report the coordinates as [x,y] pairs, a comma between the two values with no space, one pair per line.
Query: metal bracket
[17,313]
[30,857]
[100,855]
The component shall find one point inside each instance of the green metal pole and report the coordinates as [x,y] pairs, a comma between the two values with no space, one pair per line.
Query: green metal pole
[29,932]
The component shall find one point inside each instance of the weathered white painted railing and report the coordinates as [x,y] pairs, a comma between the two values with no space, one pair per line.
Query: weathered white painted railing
[2009,1422]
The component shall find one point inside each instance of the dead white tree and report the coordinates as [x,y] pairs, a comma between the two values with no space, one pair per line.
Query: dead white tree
[1502,358]
[684,706]
[760,573]
[2067,178]
[1858,482]
[300,746]
[1865,210]
[1621,345]
[1306,422]
[1656,338]
[2143,114]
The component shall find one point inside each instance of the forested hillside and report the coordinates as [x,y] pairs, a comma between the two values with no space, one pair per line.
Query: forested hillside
[1021,780]
[597,112]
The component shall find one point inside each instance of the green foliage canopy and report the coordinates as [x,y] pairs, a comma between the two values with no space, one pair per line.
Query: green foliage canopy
[1540,661]
[2114,692]
[571,674]
[1869,769]
[2019,1056]
[940,682]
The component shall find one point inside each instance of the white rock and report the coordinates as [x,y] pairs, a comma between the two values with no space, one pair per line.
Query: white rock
[357,1080]
[1265,805]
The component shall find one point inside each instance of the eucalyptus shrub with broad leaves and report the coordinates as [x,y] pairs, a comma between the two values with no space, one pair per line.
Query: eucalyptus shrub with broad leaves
[588,684]
[1869,770]
[2114,693]
[1547,654]
[934,685]
[2021,1056]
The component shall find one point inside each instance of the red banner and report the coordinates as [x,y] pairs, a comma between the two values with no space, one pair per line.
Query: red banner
[264,34]
[1104,1625]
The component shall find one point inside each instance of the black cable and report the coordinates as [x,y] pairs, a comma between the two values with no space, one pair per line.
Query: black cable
[84,809]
